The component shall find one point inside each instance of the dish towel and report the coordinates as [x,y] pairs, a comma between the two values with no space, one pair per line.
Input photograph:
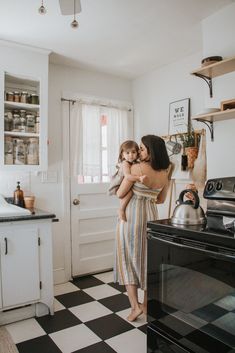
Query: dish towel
[200,166]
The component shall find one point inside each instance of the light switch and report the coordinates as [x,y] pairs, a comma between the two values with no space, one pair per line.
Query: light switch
[49,177]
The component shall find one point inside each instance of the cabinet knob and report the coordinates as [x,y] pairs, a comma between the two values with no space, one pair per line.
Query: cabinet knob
[76,202]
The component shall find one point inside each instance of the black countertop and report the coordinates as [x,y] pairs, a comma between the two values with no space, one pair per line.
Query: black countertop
[35,214]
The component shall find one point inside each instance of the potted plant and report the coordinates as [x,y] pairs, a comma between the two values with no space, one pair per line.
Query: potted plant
[190,142]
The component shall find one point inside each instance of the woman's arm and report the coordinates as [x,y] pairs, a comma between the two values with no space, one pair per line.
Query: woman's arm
[126,184]
[124,188]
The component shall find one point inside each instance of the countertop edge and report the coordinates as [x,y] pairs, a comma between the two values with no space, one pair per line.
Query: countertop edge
[37,215]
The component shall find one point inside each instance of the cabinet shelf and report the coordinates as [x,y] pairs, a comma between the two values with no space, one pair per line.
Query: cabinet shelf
[214,70]
[210,118]
[19,105]
[20,134]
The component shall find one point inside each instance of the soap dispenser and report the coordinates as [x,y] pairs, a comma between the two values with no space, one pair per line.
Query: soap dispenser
[18,196]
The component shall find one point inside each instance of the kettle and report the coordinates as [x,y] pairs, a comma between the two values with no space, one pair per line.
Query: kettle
[188,212]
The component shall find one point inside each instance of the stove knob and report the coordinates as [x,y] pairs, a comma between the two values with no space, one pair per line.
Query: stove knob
[210,187]
[219,186]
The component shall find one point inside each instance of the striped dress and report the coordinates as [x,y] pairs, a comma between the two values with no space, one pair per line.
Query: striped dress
[130,265]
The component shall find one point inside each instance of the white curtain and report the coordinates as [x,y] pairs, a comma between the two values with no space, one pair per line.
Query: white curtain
[119,129]
[85,120]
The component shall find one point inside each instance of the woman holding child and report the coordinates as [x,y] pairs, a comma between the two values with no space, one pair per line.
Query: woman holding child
[131,243]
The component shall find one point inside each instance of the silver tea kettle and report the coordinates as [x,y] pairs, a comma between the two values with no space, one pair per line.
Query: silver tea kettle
[188,212]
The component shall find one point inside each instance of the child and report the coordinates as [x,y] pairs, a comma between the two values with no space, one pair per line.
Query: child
[128,154]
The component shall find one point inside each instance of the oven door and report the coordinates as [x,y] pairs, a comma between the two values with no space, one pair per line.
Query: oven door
[191,293]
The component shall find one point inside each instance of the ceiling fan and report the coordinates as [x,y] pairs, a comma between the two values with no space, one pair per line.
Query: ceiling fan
[70,7]
[67,7]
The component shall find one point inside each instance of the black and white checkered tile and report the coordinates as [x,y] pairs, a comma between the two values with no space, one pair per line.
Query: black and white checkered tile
[90,316]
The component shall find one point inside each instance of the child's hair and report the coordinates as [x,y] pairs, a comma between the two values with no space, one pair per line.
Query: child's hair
[126,145]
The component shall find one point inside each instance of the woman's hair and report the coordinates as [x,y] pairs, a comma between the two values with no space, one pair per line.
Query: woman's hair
[156,148]
[126,145]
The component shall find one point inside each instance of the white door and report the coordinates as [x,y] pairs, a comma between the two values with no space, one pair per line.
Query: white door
[93,222]
[19,265]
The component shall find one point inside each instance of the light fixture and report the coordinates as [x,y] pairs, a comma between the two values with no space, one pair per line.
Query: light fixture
[67,7]
[42,10]
[74,23]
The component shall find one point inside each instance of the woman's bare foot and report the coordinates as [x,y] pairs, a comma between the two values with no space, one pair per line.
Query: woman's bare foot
[143,308]
[122,215]
[135,313]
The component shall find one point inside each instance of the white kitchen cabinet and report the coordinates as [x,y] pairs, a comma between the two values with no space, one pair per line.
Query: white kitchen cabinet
[23,141]
[19,265]
[26,268]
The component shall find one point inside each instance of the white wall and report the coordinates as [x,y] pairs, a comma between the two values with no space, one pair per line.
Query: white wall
[219,39]
[152,94]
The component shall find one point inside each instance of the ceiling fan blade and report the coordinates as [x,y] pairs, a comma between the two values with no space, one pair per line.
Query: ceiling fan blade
[67,7]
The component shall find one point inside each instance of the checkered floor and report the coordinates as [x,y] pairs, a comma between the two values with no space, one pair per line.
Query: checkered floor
[90,317]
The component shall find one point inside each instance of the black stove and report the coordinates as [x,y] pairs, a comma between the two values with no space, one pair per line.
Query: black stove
[220,215]
[191,279]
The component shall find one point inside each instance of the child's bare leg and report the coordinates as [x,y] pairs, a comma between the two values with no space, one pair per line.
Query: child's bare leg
[123,203]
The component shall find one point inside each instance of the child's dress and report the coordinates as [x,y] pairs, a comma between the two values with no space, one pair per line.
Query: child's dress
[116,180]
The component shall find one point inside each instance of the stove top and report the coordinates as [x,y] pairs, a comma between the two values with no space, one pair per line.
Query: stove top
[220,216]
[229,232]
[199,233]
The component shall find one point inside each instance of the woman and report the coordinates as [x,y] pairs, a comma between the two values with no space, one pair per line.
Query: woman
[131,243]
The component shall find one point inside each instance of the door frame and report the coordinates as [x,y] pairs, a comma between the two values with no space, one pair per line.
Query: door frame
[66,181]
[66,197]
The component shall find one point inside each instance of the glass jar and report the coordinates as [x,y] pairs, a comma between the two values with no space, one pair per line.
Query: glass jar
[37,124]
[16,96]
[34,98]
[8,150]
[33,151]
[19,154]
[24,97]
[9,121]
[29,99]
[10,96]
[30,123]
[22,126]
[6,122]
[16,122]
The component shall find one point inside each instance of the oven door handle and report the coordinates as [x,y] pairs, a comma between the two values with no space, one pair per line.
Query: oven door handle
[218,255]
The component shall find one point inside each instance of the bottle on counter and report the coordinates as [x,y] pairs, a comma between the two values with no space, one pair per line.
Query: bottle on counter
[18,198]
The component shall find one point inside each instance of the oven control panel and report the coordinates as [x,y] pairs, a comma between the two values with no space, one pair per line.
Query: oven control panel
[220,189]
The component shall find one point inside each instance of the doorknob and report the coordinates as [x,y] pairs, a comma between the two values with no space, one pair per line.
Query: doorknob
[76,202]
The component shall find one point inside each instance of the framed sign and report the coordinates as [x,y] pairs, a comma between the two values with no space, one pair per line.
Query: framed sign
[179,116]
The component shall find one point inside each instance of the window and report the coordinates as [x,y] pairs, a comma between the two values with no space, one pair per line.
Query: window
[101,130]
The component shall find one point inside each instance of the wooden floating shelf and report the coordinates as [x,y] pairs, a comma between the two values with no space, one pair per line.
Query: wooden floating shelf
[217,69]
[217,116]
